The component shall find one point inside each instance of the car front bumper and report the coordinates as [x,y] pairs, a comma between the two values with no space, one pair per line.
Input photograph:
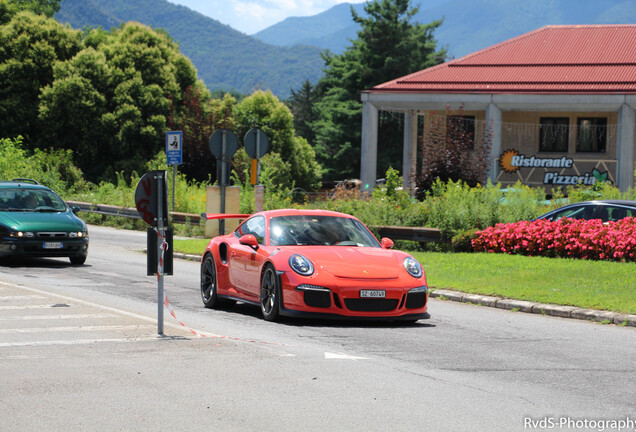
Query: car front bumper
[341,298]
[67,247]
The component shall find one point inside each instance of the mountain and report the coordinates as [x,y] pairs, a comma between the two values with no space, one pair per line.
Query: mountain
[225,58]
[469,25]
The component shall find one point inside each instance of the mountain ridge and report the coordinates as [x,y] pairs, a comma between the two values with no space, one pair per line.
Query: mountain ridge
[225,58]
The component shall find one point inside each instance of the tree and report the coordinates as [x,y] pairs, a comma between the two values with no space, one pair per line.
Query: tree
[265,111]
[112,101]
[8,8]
[30,45]
[301,103]
[388,46]
[198,119]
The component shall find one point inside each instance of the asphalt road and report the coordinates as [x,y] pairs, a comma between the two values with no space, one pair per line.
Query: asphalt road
[79,351]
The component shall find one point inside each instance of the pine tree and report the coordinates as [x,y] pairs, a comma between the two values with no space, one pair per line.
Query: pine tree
[388,46]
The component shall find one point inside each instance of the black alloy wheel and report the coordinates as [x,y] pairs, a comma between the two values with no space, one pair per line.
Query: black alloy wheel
[208,282]
[270,294]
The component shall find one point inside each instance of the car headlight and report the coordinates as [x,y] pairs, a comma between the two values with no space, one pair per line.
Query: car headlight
[77,234]
[21,234]
[301,265]
[413,267]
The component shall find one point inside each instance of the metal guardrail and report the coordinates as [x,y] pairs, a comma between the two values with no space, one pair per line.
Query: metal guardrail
[110,210]
[418,234]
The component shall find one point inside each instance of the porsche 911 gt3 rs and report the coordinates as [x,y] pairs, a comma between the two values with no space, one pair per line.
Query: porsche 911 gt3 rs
[313,263]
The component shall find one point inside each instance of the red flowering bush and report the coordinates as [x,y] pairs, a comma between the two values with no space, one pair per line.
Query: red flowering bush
[570,238]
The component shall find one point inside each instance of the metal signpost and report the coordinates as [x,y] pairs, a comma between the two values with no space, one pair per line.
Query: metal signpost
[223,145]
[174,155]
[151,200]
[256,145]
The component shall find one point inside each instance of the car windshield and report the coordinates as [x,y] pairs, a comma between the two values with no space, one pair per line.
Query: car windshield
[310,230]
[31,200]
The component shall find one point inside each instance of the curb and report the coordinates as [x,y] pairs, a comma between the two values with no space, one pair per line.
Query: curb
[187,257]
[536,308]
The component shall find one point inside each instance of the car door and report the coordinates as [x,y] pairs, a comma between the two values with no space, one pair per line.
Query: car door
[244,261]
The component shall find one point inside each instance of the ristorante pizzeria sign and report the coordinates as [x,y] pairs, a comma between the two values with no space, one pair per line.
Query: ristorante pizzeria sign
[511,161]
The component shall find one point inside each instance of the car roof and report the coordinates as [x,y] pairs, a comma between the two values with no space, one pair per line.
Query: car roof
[607,202]
[22,183]
[302,212]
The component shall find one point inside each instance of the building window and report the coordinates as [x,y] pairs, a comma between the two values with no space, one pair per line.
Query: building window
[554,134]
[461,129]
[591,134]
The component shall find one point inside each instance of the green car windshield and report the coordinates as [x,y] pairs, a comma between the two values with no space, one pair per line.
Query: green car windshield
[30,200]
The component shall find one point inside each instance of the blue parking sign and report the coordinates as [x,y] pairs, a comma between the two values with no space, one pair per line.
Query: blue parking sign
[174,147]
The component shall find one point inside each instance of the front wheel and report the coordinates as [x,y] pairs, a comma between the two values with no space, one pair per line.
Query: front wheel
[270,294]
[209,283]
[77,259]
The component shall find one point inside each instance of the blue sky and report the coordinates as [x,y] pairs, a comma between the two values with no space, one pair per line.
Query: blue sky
[252,16]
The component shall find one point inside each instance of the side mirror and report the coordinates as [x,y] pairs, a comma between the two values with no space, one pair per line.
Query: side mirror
[387,243]
[76,209]
[249,240]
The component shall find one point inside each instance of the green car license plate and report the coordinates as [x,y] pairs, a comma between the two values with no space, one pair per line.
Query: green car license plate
[53,245]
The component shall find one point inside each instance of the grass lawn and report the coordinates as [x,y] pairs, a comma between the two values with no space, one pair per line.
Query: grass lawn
[589,284]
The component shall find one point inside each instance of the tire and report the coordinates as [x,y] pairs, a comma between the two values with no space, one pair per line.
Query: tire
[77,259]
[209,283]
[270,294]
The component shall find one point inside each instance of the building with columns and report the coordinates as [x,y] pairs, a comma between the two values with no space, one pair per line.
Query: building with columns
[556,105]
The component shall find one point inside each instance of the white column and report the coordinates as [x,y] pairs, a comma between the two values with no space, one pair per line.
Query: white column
[369,155]
[625,148]
[493,126]
[409,156]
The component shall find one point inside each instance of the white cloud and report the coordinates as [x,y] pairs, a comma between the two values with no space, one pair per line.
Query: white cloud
[253,16]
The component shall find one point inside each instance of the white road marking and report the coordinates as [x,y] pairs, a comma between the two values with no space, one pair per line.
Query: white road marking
[341,356]
[57,317]
[76,342]
[49,306]
[22,297]
[74,329]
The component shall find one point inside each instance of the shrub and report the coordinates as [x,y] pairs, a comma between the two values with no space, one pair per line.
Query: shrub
[571,238]
[462,241]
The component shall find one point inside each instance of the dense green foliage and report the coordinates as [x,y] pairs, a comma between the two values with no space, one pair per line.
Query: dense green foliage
[109,98]
[453,207]
[54,169]
[226,58]
[8,8]
[110,103]
[30,46]
[388,46]
[263,110]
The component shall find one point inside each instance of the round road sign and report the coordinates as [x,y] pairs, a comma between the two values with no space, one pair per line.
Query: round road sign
[256,144]
[216,144]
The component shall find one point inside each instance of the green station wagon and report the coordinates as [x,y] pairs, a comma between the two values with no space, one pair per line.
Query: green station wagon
[36,222]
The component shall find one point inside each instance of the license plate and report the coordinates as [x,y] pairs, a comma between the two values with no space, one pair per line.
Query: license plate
[53,245]
[372,293]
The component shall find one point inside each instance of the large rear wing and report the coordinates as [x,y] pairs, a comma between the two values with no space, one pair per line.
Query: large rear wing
[213,216]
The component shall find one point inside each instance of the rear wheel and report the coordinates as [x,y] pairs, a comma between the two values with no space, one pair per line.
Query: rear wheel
[270,294]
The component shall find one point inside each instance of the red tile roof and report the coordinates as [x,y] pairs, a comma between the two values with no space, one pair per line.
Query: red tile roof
[552,59]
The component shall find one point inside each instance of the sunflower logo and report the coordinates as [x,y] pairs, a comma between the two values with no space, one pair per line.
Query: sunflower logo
[505,161]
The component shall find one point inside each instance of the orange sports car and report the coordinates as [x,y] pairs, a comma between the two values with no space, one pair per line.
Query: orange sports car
[312,263]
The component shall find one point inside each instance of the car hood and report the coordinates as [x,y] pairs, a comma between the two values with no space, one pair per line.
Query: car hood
[355,262]
[41,221]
